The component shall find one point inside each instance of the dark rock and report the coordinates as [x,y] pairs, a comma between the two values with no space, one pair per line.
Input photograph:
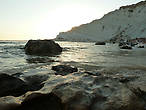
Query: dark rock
[64,69]
[38,101]
[42,47]
[35,82]
[121,43]
[93,73]
[100,43]
[125,47]
[142,46]
[138,92]
[13,86]
[10,85]
[7,106]
[126,79]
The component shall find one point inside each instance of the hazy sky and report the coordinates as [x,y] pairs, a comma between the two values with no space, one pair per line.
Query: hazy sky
[44,19]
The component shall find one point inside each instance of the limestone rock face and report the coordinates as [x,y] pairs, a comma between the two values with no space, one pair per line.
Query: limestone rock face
[42,47]
[124,23]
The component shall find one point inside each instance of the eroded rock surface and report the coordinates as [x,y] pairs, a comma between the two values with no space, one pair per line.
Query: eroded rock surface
[84,91]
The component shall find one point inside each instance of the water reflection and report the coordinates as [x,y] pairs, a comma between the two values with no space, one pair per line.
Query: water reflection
[37,59]
[108,55]
[79,53]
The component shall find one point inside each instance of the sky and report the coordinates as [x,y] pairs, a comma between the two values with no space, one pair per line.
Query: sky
[44,19]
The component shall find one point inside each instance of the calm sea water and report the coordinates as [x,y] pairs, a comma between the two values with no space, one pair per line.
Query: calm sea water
[83,55]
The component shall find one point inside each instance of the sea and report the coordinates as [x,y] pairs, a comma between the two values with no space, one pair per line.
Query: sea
[86,56]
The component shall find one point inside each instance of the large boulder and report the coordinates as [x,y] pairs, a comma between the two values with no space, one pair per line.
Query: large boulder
[42,47]
[10,85]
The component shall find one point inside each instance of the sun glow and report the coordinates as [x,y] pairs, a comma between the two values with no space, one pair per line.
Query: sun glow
[44,19]
[63,19]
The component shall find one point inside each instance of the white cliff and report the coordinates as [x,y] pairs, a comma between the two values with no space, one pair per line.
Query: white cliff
[128,21]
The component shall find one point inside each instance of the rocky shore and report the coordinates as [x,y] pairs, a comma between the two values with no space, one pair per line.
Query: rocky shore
[70,87]
[79,90]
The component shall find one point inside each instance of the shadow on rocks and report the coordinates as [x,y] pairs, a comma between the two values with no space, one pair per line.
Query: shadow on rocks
[11,106]
[38,101]
[12,86]
[35,82]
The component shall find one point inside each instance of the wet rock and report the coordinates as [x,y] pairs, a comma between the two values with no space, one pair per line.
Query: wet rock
[100,43]
[78,102]
[42,47]
[38,101]
[97,93]
[127,79]
[64,69]
[10,85]
[139,92]
[125,47]
[82,91]
[35,82]
[93,73]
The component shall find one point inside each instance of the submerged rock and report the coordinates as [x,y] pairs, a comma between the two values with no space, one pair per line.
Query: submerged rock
[10,85]
[64,69]
[125,47]
[42,47]
[100,43]
[141,46]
